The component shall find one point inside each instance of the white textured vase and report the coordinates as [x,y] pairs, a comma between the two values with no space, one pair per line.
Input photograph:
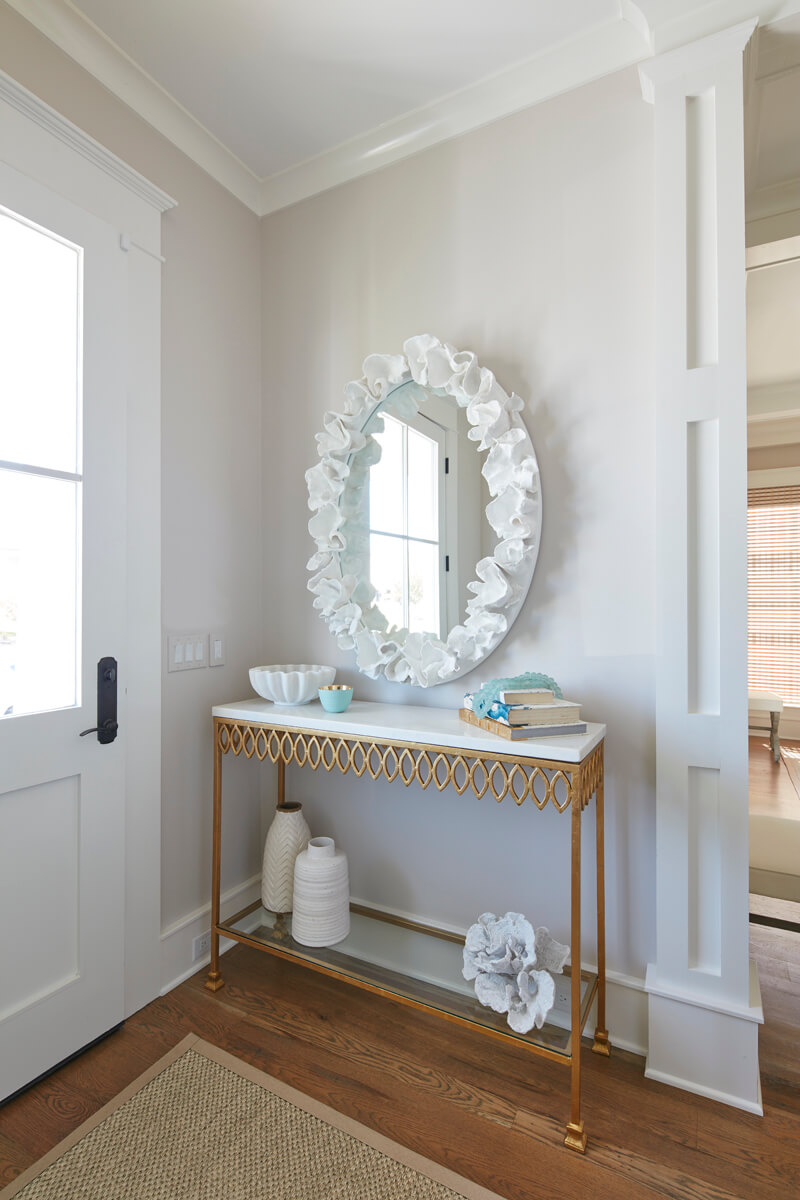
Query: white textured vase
[321,905]
[287,836]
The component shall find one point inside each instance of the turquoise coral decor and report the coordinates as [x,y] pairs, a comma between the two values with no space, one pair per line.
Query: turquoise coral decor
[483,699]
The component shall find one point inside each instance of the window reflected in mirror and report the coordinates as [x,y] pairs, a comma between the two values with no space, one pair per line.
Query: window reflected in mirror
[404,533]
[414,505]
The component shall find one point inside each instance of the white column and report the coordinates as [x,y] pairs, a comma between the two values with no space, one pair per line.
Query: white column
[704,1001]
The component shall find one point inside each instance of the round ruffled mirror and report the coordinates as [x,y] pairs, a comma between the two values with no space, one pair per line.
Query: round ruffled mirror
[427,514]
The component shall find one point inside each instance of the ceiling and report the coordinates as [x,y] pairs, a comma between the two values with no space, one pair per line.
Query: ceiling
[279,99]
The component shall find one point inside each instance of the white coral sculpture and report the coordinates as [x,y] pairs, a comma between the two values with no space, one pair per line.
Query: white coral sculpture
[513,966]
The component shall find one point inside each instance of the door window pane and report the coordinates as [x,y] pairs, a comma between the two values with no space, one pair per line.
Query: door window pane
[38,592]
[39,347]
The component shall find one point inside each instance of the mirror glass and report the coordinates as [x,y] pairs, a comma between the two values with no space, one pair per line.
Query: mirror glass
[414,514]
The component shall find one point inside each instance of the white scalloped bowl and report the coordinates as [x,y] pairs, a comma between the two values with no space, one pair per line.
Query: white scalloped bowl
[291,683]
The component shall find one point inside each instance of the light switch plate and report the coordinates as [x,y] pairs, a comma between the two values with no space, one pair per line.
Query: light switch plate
[187,651]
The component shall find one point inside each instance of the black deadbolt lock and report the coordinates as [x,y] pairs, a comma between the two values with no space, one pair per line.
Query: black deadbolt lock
[106,727]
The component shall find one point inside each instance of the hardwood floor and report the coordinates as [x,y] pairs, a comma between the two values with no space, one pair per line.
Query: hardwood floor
[772,790]
[481,1109]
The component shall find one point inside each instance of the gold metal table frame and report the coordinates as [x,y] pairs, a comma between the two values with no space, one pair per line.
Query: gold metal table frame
[502,774]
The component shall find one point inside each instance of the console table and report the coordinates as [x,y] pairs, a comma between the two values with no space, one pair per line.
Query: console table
[432,748]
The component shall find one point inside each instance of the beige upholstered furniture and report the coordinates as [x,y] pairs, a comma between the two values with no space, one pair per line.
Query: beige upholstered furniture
[771,705]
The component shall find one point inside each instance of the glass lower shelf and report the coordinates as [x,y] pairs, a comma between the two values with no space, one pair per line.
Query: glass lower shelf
[415,963]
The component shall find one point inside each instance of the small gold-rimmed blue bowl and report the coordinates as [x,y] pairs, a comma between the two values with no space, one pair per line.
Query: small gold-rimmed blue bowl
[335,697]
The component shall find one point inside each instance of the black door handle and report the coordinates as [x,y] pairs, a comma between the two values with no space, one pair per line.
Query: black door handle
[106,727]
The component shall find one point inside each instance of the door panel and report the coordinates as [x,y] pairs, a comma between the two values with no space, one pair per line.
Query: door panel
[40,826]
[62,852]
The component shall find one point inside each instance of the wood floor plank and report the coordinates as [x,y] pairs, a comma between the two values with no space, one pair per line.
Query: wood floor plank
[13,1160]
[772,791]
[654,1175]
[45,1114]
[771,906]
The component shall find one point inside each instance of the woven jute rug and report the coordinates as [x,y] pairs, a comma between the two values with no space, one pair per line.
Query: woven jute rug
[203,1125]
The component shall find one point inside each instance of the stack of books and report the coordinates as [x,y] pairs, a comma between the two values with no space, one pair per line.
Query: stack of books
[527,714]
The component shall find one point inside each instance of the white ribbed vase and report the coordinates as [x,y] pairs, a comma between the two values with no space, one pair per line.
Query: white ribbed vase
[321,904]
[287,836]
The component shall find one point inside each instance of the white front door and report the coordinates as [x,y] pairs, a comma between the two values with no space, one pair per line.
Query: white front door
[62,608]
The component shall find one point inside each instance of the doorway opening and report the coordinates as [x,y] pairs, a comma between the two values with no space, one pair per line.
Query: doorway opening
[773,567]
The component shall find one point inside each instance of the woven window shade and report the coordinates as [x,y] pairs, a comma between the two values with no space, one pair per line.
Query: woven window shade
[773,574]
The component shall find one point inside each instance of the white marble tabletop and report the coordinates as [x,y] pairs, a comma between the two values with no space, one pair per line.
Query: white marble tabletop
[412,723]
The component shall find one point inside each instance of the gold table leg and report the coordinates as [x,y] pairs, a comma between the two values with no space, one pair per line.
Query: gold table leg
[576,1138]
[215,981]
[600,1044]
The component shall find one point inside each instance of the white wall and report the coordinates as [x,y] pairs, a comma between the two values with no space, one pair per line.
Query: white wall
[529,242]
[211,409]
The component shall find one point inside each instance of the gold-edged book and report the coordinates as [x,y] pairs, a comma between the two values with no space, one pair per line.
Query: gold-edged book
[527,696]
[515,733]
[555,712]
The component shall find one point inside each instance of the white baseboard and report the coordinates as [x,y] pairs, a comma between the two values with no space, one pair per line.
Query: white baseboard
[626,1008]
[755,1106]
[775,884]
[789,726]
[177,963]
[686,1031]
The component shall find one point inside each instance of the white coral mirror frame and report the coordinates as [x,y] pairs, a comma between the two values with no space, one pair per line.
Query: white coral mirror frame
[514,513]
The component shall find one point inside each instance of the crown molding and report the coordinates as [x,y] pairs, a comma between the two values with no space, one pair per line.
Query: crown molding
[772,254]
[773,401]
[676,23]
[773,201]
[31,106]
[779,431]
[83,42]
[777,52]
[677,64]
[599,51]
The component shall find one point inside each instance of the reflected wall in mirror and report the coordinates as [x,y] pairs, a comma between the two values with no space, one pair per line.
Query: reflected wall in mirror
[427,514]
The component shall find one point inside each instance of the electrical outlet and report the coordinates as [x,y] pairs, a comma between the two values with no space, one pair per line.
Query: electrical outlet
[562,993]
[201,945]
